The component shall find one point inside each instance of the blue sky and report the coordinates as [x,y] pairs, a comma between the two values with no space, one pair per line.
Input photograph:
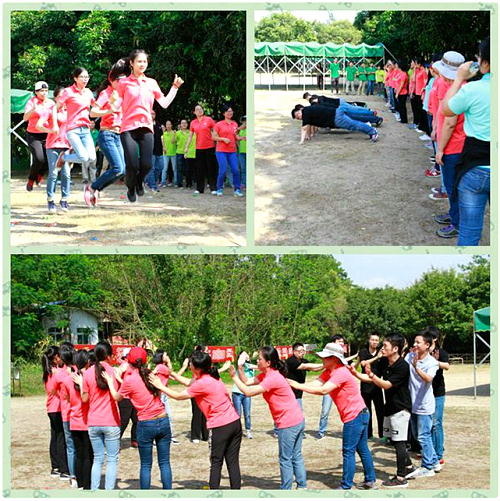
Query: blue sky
[379,270]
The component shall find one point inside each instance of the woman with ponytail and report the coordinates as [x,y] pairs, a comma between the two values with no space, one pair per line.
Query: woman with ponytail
[223,421]
[153,425]
[103,417]
[285,410]
[58,459]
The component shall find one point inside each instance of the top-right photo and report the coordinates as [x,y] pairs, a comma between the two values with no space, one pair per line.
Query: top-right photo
[372,128]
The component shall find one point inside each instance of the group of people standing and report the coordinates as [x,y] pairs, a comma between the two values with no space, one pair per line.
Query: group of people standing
[59,135]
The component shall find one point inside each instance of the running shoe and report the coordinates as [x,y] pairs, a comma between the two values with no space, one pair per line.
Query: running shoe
[131,196]
[425,137]
[320,436]
[215,192]
[421,472]
[51,207]
[435,189]
[437,467]
[95,197]
[64,476]
[395,483]
[139,189]
[411,126]
[219,193]
[55,472]
[379,121]
[442,218]
[29,185]
[367,486]
[87,195]
[196,192]
[39,180]
[237,193]
[432,173]
[64,205]
[374,136]
[174,441]
[249,434]
[450,231]
[438,196]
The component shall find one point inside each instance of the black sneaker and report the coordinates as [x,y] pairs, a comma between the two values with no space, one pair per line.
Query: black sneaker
[449,231]
[131,196]
[55,472]
[442,218]
[410,469]
[395,483]
[139,189]
[64,476]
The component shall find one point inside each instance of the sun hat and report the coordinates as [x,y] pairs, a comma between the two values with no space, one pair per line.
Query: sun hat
[135,353]
[449,64]
[41,85]
[333,350]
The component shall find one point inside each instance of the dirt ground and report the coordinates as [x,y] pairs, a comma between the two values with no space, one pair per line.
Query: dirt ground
[339,188]
[467,447]
[172,217]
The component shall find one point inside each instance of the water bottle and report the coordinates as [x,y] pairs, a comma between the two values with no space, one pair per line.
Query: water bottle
[474,68]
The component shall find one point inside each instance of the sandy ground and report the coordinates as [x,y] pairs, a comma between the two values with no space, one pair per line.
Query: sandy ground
[466,446]
[339,188]
[172,217]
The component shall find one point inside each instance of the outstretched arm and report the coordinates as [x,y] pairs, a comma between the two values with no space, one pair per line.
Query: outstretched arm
[176,395]
[316,387]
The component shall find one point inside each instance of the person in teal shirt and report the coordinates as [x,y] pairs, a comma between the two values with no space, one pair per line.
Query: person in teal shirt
[335,73]
[361,78]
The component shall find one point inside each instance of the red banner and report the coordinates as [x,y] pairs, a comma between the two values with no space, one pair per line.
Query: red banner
[222,353]
[284,352]
[116,359]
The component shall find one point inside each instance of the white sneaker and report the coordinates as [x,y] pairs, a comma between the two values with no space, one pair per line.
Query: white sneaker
[420,473]
[214,192]
[195,441]
[196,192]
[437,467]
[74,483]
[249,434]
[425,137]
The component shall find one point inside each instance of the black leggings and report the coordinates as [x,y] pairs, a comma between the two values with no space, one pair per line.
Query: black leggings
[39,165]
[225,444]
[138,163]
[403,114]
[377,398]
[206,168]
[58,458]
[402,458]
[127,413]
[198,423]
[84,458]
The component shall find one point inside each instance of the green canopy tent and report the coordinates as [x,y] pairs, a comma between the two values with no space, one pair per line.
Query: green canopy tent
[481,323]
[298,61]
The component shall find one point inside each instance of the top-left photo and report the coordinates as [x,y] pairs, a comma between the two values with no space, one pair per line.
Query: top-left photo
[128,128]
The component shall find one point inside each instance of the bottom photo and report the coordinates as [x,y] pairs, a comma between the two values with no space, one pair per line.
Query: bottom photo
[258,372]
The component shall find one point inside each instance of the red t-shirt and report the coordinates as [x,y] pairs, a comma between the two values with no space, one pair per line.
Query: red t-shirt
[61,376]
[227,130]
[108,121]
[283,405]
[162,371]
[347,395]
[53,403]
[57,140]
[147,405]
[202,128]
[457,139]
[388,78]
[41,107]
[103,409]
[401,78]
[420,81]
[78,104]
[213,399]
[78,419]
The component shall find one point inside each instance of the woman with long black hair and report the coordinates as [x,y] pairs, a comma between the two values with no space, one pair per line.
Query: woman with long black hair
[223,421]
[153,423]
[138,94]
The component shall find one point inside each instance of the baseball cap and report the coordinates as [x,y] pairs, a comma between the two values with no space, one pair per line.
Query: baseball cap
[41,85]
[125,352]
[137,353]
[333,350]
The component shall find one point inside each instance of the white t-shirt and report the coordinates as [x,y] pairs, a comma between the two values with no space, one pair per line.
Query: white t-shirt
[422,396]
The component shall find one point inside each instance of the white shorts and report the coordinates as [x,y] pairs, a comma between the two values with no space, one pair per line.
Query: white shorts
[396,426]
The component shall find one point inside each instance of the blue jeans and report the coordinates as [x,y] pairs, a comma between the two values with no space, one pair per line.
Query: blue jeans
[437,427]
[326,407]
[355,439]
[180,170]
[111,146]
[52,155]
[223,160]
[70,449]
[242,157]
[155,430]
[83,144]
[448,173]
[429,121]
[392,98]
[342,121]
[370,88]
[290,456]
[101,437]
[156,171]
[357,112]
[421,427]
[239,401]
[167,159]
[473,194]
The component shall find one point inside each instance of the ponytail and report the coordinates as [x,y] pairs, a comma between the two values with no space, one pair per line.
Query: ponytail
[144,372]
[102,351]
[201,360]
[81,359]
[48,362]
[270,354]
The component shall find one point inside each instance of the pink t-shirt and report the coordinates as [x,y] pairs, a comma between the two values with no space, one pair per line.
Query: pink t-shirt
[61,376]
[401,78]
[456,142]
[283,405]
[40,108]
[147,405]
[53,403]
[78,104]
[347,395]
[162,371]
[108,121]
[433,100]
[388,78]
[202,128]
[78,419]
[228,130]
[138,95]
[213,399]
[57,140]
[103,409]
[420,81]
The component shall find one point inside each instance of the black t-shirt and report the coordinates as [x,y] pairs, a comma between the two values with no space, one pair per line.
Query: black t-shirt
[398,397]
[157,148]
[329,101]
[296,374]
[319,116]
[438,381]
[365,354]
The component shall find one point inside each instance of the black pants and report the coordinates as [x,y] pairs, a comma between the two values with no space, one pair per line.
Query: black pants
[225,444]
[402,458]
[198,423]
[191,172]
[58,457]
[39,165]
[378,401]
[98,163]
[84,458]
[127,413]
[138,164]
[335,81]
[206,168]
[418,112]
[403,114]
[170,169]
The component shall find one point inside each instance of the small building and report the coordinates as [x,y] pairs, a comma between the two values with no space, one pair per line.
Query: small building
[76,325]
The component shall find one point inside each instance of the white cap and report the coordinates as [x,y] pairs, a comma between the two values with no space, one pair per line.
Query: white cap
[449,64]
[333,350]
[41,85]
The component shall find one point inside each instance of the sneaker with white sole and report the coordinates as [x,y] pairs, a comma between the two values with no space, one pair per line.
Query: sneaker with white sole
[437,467]
[219,193]
[450,231]
[420,473]
[238,193]
[395,483]
[87,195]
[174,441]
[438,196]
[367,486]
[64,205]
[215,192]
[51,207]
[374,136]
[249,434]
[442,218]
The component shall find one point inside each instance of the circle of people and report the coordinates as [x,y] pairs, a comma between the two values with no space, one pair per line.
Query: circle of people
[451,113]
[89,405]
[61,132]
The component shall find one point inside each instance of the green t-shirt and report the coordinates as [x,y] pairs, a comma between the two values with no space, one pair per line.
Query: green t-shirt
[192,147]
[362,74]
[371,73]
[167,141]
[380,74]
[351,73]
[181,140]
[243,144]
[334,69]
[94,133]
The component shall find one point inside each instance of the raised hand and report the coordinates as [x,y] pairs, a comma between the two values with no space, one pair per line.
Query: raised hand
[232,371]
[178,81]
